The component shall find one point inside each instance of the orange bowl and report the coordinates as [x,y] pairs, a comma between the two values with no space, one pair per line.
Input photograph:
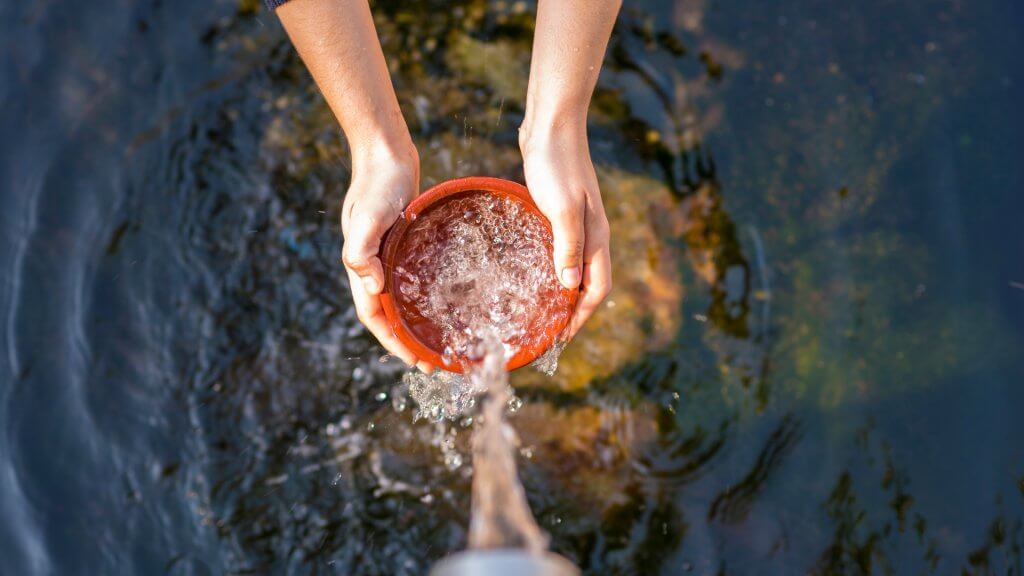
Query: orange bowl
[424,337]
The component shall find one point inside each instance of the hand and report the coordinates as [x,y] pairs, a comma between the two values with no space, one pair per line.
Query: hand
[384,181]
[561,179]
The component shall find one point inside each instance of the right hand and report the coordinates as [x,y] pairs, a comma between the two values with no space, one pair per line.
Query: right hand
[384,181]
[562,181]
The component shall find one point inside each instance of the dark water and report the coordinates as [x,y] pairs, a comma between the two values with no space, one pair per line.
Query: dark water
[812,363]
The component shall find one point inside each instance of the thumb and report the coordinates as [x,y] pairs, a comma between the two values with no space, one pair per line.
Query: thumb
[359,253]
[567,228]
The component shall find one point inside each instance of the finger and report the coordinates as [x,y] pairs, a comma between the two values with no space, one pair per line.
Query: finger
[359,253]
[371,314]
[567,229]
[597,283]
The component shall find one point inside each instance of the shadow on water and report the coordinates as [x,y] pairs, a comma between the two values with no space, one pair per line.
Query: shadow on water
[799,370]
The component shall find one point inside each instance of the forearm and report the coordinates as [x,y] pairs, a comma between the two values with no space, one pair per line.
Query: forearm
[338,43]
[568,48]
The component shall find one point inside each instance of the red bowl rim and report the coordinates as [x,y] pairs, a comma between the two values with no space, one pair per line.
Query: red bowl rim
[389,249]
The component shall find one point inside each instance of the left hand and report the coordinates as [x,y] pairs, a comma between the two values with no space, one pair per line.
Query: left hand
[562,181]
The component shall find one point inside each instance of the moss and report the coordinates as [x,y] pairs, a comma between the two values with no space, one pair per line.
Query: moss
[502,66]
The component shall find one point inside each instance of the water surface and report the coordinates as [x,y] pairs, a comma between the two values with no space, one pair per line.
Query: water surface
[810,361]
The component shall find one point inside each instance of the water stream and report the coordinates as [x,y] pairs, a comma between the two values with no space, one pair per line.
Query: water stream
[501,516]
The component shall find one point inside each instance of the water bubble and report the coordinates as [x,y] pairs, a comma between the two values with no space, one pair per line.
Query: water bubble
[453,460]
[547,363]
[399,403]
[436,412]
[514,404]
[381,396]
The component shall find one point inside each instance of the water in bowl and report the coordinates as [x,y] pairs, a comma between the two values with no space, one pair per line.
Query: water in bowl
[478,262]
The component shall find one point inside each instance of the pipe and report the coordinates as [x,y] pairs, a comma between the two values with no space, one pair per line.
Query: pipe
[504,562]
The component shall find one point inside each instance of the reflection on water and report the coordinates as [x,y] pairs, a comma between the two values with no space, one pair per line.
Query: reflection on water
[808,363]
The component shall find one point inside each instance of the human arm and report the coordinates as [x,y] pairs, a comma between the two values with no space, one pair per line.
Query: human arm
[338,43]
[568,47]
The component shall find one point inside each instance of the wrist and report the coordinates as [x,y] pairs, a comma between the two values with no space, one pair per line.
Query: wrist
[552,133]
[382,147]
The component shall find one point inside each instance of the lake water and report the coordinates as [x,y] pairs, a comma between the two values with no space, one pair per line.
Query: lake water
[811,360]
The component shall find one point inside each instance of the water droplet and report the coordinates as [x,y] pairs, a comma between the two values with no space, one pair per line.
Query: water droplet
[399,403]
[514,404]
[453,460]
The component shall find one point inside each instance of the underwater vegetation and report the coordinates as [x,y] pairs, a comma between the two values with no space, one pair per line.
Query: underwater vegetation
[807,363]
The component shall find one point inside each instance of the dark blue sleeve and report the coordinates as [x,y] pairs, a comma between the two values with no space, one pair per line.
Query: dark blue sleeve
[272,4]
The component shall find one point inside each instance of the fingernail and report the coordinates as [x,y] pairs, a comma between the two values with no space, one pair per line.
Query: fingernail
[370,283]
[571,277]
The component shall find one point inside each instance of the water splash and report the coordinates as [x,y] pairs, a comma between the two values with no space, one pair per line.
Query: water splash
[443,395]
[547,363]
[440,395]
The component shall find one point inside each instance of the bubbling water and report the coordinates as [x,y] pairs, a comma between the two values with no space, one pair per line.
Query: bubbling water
[478,262]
